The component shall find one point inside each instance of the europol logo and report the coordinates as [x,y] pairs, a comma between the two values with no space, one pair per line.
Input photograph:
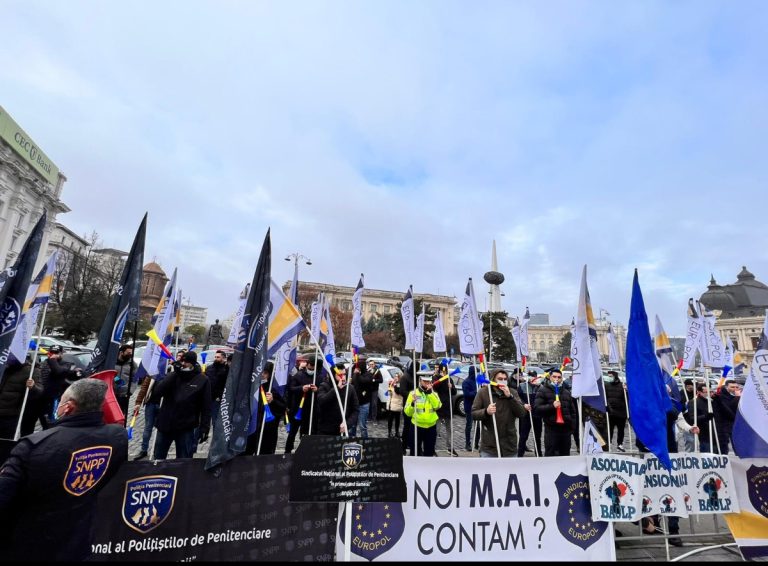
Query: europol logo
[376,527]
[352,454]
[574,512]
[757,487]
[86,468]
[148,501]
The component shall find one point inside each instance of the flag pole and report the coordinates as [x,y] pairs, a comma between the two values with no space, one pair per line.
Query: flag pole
[712,423]
[495,428]
[312,396]
[130,369]
[581,422]
[530,415]
[332,377]
[450,404]
[607,416]
[39,332]
[415,379]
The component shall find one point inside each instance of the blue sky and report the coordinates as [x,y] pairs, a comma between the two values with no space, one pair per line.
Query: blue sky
[398,139]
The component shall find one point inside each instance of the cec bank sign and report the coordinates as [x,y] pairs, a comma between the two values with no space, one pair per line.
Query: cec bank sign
[18,139]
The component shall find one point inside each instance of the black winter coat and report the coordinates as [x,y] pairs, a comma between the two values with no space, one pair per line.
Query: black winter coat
[56,377]
[614,393]
[702,417]
[544,406]
[42,520]
[186,401]
[329,413]
[725,407]
[296,383]
[12,390]
[366,386]
[217,375]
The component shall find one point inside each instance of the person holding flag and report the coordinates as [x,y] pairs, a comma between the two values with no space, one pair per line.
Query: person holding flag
[301,397]
[366,385]
[554,405]
[615,392]
[270,409]
[725,405]
[527,390]
[504,402]
[443,386]
[330,419]
[16,381]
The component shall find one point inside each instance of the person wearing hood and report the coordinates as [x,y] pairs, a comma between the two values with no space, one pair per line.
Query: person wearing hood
[186,405]
[502,403]
[469,388]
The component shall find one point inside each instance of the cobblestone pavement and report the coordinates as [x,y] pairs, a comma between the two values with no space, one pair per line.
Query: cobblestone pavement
[711,529]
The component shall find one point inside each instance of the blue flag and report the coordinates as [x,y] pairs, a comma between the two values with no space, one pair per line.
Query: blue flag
[14,283]
[238,412]
[645,385]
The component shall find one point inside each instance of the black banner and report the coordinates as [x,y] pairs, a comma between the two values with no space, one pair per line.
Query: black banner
[175,510]
[333,468]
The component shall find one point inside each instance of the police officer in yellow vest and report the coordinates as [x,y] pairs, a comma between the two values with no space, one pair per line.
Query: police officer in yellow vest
[422,406]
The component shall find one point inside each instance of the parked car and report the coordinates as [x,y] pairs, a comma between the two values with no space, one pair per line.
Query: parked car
[399,361]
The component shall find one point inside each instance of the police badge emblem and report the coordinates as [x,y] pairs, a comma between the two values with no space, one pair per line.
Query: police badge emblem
[574,512]
[757,487]
[86,468]
[148,501]
[352,454]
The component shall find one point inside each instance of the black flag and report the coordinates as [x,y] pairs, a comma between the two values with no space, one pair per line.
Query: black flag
[124,307]
[230,429]
[13,290]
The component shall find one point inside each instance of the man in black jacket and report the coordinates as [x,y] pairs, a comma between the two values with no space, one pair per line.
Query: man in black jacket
[329,418]
[56,377]
[49,484]
[527,390]
[366,385]
[703,417]
[557,436]
[276,406]
[186,405]
[217,373]
[725,404]
[12,390]
[301,386]
[617,407]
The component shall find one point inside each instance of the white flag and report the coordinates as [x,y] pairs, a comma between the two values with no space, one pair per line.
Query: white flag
[153,362]
[712,342]
[663,348]
[418,333]
[516,339]
[470,329]
[524,333]
[315,313]
[585,357]
[693,340]
[593,442]
[438,339]
[357,316]
[409,319]
[728,353]
[38,294]
[330,343]
[613,347]
[238,320]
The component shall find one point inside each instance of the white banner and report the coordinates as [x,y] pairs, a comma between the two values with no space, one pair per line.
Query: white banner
[438,339]
[538,512]
[625,488]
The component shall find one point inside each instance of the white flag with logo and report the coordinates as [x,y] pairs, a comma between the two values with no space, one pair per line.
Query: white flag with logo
[409,319]
[315,314]
[357,316]
[237,321]
[593,442]
[711,340]
[524,333]
[438,339]
[693,341]
[586,359]
[516,339]
[418,334]
[470,330]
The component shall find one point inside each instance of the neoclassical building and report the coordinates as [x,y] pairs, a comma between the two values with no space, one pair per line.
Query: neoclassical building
[740,310]
[376,301]
[30,183]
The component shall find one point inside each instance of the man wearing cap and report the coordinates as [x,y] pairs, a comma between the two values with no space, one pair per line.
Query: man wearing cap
[56,377]
[504,403]
[186,405]
[422,406]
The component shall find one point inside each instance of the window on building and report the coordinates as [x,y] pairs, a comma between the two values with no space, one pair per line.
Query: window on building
[735,343]
[20,221]
[755,340]
[13,242]
[374,307]
[541,344]
[387,309]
